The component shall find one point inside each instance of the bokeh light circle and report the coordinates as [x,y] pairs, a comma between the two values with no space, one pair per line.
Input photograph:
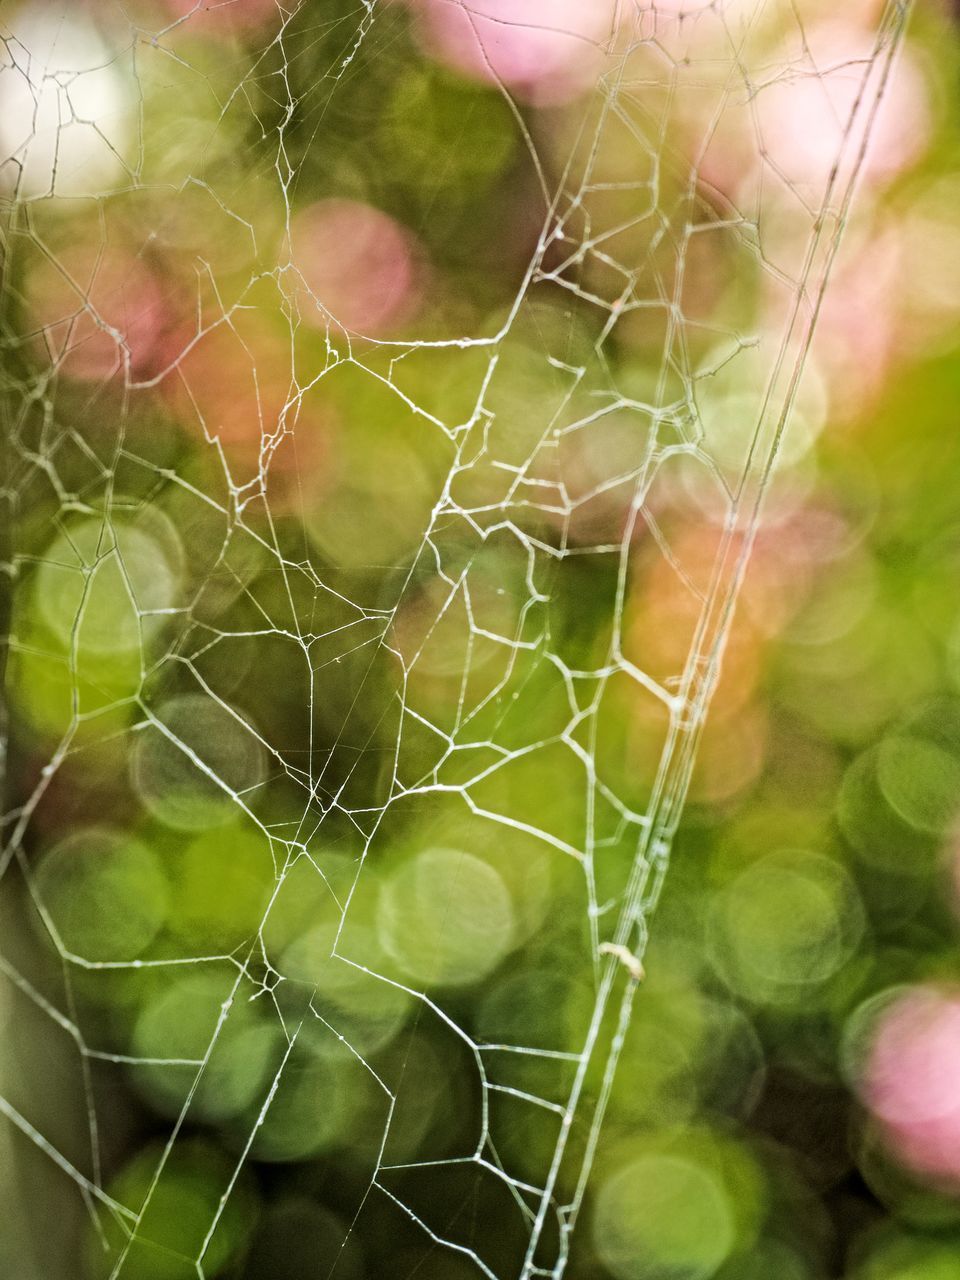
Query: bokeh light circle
[200,768]
[663,1217]
[185,1022]
[106,586]
[784,925]
[105,894]
[446,917]
[909,1079]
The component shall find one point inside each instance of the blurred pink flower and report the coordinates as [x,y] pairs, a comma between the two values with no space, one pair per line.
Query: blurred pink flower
[857,339]
[362,268]
[912,1080]
[235,385]
[805,116]
[678,8]
[211,16]
[103,310]
[894,297]
[544,51]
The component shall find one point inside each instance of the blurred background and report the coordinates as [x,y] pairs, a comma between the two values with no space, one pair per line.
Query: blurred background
[396,400]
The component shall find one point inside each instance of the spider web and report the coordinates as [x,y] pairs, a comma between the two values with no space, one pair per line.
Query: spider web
[355,579]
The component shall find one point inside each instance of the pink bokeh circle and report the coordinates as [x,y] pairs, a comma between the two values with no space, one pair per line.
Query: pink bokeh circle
[546,52]
[220,16]
[911,1080]
[358,269]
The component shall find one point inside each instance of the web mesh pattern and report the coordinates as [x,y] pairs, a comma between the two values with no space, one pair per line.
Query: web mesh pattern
[366,612]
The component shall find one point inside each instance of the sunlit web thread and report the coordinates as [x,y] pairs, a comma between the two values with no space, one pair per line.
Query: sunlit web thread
[703,667]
